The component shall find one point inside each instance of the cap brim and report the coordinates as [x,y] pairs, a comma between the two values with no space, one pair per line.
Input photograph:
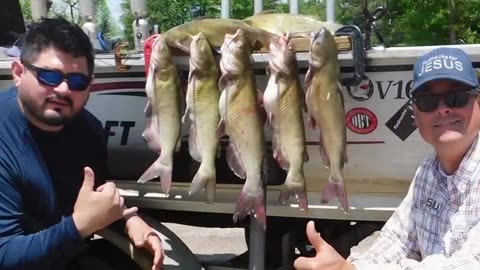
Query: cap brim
[436,77]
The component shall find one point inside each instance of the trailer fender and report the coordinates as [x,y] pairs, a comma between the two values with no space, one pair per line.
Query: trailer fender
[177,254]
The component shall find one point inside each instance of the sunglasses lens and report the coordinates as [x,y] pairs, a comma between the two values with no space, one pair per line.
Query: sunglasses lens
[429,103]
[49,77]
[426,103]
[78,82]
[457,99]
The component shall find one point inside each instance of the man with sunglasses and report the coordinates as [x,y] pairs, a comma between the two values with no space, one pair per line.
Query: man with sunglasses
[53,194]
[437,226]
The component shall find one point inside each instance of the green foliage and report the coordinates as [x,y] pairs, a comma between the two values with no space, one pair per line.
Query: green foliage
[127,21]
[65,8]
[26,10]
[407,23]
[104,20]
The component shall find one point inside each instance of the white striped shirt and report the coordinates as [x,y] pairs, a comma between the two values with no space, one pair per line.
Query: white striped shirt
[437,224]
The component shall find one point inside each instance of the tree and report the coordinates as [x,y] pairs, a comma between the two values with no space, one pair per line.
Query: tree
[104,20]
[26,10]
[406,22]
[67,9]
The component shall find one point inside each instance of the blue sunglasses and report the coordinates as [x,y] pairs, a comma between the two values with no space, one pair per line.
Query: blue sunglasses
[49,77]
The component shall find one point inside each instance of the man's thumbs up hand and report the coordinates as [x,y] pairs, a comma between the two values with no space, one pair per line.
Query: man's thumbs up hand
[327,257]
[88,179]
[96,209]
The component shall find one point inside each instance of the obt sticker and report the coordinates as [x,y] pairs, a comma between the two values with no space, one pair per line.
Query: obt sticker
[361,120]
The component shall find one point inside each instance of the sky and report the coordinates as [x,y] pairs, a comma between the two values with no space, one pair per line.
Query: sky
[114,6]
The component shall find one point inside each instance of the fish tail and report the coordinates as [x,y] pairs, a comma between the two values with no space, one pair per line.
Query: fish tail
[248,204]
[158,169]
[295,185]
[204,178]
[335,187]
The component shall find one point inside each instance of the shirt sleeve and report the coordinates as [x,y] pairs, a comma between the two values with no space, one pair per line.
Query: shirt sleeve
[19,250]
[468,257]
[397,240]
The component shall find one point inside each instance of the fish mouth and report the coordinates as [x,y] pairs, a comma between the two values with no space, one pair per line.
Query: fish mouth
[232,39]
[199,37]
[315,36]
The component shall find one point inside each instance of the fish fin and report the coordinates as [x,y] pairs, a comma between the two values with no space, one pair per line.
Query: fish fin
[235,161]
[278,155]
[178,146]
[270,120]
[308,79]
[345,156]
[219,151]
[323,153]
[303,97]
[342,98]
[260,98]
[193,146]
[150,135]
[148,109]
[331,190]
[277,77]
[311,122]
[306,157]
[295,185]
[222,82]
[192,73]
[186,117]
[204,178]
[220,129]
[157,169]
[261,109]
[248,205]
[344,152]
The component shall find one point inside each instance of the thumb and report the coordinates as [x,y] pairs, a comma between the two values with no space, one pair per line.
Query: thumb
[88,179]
[314,237]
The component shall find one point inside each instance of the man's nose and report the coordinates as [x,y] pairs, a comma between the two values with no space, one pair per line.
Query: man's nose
[443,109]
[62,88]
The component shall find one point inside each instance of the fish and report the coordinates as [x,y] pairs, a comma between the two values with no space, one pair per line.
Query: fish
[296,25]
[241,119]
[163,113]
[326,110]
[203,114]
[284,102]
[181,35]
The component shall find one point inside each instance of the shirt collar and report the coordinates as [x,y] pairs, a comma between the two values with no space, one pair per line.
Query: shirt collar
[467,169]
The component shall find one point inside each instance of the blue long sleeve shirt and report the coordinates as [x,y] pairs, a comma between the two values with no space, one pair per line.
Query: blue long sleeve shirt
[40,176]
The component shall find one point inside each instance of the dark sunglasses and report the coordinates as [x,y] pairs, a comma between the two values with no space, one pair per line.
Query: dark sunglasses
[49,77]
[452,99]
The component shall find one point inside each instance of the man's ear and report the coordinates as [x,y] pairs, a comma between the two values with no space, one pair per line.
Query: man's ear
[17,71]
